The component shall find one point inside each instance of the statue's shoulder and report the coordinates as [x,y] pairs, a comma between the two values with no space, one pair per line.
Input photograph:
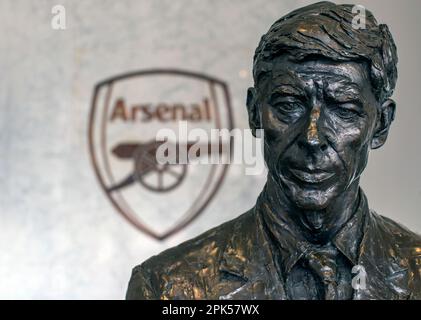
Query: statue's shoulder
[402,238]
[397,252]
[171,273]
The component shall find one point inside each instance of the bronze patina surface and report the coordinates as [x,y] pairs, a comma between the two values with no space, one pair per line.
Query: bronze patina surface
[322,94]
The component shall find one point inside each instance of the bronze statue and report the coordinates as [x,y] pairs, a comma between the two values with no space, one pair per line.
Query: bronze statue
[321,93]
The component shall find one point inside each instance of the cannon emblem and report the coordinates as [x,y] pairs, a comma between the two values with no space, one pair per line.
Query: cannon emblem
[145,164]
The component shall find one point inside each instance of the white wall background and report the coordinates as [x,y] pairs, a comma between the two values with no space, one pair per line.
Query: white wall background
[59,235]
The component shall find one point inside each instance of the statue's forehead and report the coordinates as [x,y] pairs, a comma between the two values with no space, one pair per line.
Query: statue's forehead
[308,84]
[327,76]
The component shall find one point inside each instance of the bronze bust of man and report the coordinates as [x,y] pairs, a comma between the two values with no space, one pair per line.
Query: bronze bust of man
[322,96]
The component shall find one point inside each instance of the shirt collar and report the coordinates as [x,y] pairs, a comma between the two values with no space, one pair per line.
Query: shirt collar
[286,236]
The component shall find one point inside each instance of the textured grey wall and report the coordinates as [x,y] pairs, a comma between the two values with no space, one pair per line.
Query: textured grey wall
[59,235]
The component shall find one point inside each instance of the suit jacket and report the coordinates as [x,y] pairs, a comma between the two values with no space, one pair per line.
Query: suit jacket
[235,261]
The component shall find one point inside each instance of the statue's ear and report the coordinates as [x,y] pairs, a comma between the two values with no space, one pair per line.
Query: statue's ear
[253,110]
[384,120]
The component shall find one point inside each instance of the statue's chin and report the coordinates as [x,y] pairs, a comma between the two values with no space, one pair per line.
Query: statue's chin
[312,197]
[309,199]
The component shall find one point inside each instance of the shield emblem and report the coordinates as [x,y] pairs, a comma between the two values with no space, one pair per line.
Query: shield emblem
[126,113]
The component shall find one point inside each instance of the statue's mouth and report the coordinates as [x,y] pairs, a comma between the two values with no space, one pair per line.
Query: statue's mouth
[311,176]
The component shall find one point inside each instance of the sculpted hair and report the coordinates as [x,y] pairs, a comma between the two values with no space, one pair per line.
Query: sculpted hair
[325,29]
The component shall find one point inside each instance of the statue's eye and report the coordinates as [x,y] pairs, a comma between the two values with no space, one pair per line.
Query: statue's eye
[288,111]
[346,111]
[287,107]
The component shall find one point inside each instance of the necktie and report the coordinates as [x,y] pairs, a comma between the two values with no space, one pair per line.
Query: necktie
[322,260]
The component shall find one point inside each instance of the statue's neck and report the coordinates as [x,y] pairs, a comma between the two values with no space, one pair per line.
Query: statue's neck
[318,226]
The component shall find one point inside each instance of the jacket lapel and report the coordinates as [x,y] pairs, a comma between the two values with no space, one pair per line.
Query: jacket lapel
[386,273]
[248,260]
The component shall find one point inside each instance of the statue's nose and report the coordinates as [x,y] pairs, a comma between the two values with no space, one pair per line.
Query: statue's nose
[313,137]
[312,130]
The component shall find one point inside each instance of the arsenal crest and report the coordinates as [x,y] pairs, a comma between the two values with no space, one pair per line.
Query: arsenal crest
[127,113]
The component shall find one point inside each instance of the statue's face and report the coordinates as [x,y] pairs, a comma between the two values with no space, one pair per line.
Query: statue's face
[319,117]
